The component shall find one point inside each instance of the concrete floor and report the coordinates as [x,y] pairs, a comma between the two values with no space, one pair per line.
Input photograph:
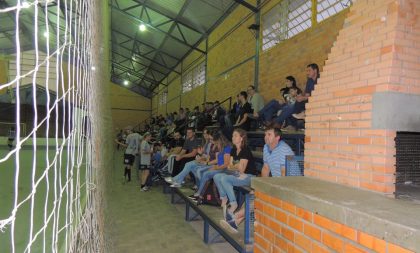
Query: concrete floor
[147,221]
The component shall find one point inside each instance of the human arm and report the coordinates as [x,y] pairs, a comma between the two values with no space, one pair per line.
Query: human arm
[242,120]
[240,166]
[265,171]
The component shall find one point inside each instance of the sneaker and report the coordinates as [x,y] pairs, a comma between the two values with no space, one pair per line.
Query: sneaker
[175,185]
[193,197]
[229,226]
[169,180]
[229,216]
[145,189]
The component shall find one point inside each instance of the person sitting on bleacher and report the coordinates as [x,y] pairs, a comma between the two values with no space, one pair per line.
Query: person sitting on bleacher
[255,99]
[288,98]
[312,72]
[243,121]
[175,147]
[274,157]
[205,155]
[188,152]
[274,153]
[220,166]
[232,116]
[240,171]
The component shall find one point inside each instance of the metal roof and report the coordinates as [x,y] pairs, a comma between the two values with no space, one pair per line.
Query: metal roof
[174,28]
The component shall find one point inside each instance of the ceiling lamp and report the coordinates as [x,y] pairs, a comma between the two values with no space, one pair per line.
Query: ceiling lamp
[142,28]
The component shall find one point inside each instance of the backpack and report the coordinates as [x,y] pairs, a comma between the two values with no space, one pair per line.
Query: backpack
[211,194]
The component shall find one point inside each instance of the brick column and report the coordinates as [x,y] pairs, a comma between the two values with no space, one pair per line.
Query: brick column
[377,52]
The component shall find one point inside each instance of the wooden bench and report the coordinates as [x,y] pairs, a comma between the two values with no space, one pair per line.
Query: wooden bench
[211,215]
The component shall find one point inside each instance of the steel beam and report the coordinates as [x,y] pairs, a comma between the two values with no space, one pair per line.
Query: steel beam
[247,5]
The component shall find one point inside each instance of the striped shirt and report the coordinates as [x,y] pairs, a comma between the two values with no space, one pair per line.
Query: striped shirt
[276,158]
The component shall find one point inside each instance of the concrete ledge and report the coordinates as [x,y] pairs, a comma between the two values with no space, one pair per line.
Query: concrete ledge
[393,220]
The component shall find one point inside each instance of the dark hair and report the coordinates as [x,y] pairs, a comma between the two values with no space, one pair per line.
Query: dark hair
[252,87]
[277,131]
[207,130]
[314,66]
[244,136]
[292,79]
[220,137]
[190,128]
[244,94]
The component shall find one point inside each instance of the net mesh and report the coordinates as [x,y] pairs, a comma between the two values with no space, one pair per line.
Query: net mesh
[49,190]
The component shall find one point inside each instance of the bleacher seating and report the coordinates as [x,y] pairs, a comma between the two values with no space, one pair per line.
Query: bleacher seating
[211,215]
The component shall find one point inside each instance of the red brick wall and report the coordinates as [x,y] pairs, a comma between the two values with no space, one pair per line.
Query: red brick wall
[377,50]
[283,227]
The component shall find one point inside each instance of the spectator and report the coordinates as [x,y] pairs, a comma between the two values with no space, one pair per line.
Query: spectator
[219,113]
[269,111]
[188,152]
[201,160]
[312,72]
[255,99]
[240,171]
[274,157]
[175,147]
[216,167]
[243,121]
[274,153]
[233,114]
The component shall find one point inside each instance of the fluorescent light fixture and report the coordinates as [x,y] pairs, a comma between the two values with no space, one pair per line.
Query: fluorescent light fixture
[125,82]
[142,28]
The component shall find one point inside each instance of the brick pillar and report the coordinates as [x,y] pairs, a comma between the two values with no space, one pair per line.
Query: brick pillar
[377,53]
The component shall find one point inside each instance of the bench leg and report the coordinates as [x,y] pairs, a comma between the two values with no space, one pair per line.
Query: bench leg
[190,213]
[206,231]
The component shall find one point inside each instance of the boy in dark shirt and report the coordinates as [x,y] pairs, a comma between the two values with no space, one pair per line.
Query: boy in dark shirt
[243,121]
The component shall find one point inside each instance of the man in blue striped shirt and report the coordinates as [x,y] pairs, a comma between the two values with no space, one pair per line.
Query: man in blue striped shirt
[275,152]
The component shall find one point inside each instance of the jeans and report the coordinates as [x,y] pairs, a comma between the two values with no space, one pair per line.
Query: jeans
[271,108]
[286,112]
[179,165]
[225,183]
[206,177]
[193,167]
[200,172]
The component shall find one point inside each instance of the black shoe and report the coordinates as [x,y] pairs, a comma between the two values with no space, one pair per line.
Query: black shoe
[198,201]
[194,188]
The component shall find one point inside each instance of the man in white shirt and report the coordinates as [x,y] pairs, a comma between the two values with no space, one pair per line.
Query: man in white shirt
[255,99]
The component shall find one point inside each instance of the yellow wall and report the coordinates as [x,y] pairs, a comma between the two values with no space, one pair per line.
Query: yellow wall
[127,107]
[3,73]
[231,59]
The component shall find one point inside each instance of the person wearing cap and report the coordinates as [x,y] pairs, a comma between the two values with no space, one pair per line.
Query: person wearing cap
[145,162]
